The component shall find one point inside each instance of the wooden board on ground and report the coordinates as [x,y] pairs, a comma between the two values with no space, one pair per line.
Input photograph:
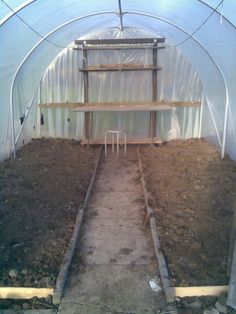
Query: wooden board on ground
[197,291]
[24,292]
[231,300]
[133,141]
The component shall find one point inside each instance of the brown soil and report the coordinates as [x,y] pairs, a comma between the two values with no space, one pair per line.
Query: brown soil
[192,192]
[40,194]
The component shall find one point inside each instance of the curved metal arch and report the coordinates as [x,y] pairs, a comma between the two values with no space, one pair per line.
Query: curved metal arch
[16,10]
[25,4]
[210,7]
[28,55]
[212,59]
[134,13]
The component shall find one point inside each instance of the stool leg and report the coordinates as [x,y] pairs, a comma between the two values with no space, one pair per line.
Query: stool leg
[125,139]
[105,143]
[117,137]
[113,141]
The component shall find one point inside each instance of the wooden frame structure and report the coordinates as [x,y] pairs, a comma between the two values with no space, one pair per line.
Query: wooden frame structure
[113,44]
[150,106]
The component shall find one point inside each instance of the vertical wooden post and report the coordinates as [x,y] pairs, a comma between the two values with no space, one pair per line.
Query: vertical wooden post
[232,240]
[153,114]
[231,300]
[87,115]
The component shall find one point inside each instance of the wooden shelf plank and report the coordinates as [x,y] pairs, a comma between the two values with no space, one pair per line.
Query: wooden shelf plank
[121,108]
[117,47]
[119,41]
[119,67]
[125,106]
[24,292]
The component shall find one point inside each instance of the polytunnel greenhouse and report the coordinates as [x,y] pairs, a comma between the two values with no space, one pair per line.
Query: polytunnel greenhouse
[118,156]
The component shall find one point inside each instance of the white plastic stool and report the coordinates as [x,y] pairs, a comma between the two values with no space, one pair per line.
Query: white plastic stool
[118,133]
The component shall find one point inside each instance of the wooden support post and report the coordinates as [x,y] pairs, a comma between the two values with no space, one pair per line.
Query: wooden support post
[88,115]
[231,301]
[232,240]
[153,115]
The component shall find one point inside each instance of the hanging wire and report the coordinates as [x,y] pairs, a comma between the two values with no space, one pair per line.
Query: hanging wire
[199,27]
[64,47]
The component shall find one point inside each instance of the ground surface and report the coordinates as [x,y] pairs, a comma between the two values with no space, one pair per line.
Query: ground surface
[40,193]
[192,192]
[115,259]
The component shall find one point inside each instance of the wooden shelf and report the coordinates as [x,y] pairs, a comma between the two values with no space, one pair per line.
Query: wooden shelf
[119,41]
[119,67]
[121,106]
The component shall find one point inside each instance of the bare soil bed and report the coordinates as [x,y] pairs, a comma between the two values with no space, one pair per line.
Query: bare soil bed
[192,192]
[40,194]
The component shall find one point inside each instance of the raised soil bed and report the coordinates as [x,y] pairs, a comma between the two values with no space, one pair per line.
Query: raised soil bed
[192,192]
[41,192]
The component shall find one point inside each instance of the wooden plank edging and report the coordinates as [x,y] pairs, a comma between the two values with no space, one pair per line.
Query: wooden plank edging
[130,140]
[24,292]
[165,278]
[198,291]
[62,276]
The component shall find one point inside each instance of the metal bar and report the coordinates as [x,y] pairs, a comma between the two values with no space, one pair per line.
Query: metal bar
[213,61]
[120,15]
[225,126]
[16,11]
[26,114]
[25,59]
[119,41]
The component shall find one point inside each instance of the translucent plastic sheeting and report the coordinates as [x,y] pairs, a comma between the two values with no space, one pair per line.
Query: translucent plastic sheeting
[211,78]
[177,80]
[175,20]
[226,9]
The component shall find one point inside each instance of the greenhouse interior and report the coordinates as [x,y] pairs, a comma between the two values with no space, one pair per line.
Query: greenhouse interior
[118,130]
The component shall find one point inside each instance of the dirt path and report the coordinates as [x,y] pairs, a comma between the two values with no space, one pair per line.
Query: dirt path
[115,259]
